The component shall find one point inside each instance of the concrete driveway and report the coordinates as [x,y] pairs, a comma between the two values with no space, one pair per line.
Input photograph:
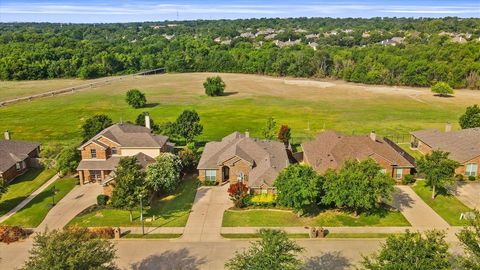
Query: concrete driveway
[468,193]
[71,205]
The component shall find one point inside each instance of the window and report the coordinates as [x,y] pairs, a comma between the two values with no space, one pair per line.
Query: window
[264,191]
[18,166]
[114,150]
[93,153]
[399,173]
[210,175]
[240,177]
[472,169]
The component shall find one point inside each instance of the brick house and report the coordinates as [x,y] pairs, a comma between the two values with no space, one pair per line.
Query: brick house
[330,150]
[16,157]
[101,154]
[463,146]
[239,158]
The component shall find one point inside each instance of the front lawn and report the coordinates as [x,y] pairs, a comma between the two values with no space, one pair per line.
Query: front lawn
[446,205]
[328,218]
[22,186]
[170,211]
[35,211]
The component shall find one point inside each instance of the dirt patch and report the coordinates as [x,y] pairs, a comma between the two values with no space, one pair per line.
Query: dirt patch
[309,83]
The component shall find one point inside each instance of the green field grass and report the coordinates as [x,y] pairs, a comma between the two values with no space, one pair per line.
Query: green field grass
[170,211]
[151,236]
[305,235]
[275,218]
[22,186]
[35,211]
[306,108]
[447,206]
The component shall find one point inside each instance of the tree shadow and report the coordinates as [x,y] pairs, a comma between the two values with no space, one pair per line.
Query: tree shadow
[444,95]
[170,260]
[151,105]
[327,261]
[402,200]
[226,94]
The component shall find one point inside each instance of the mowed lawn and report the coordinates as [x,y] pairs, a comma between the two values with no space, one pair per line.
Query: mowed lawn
[306,106]
[35,211]
[170,211]
[22,186]
[331,218]
[446,205]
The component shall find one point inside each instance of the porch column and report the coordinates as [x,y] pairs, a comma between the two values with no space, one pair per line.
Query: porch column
[80,176]
[102,175]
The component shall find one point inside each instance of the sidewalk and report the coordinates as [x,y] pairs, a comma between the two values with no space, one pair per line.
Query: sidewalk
[29,198]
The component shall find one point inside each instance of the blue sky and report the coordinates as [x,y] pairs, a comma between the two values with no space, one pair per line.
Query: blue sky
[150,10]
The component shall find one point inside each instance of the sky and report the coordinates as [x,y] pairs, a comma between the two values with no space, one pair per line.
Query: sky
[87,11]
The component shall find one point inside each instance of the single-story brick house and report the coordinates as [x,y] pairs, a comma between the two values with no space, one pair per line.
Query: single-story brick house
[330,150]
[16,157]
[239,158]
[463,146]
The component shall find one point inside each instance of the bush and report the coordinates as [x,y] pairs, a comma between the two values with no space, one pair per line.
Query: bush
[68,159]
[102,232]
[189,158]
[10,234]
[102,200]
[261,200]
[238,192]
[136,99]
[214,86]
[408,179]
[209,183]
[459,177]
[471,178]
[442,88]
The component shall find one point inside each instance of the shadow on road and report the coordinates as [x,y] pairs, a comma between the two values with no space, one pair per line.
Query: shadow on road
[402,200]
[327,261]
[170,260]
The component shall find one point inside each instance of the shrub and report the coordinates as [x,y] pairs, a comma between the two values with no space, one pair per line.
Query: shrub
[261,200]
[408,179]
[459,177]
[10,234]
[237,193]
[136,99]
[471,178]
[442,88]
[209,183]
[68,159]
[214,86]
[102,232]
[102,200]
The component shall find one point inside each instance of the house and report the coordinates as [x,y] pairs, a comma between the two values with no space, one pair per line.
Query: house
[463,146]
[330,150]
[239,158]
[101,154]
[16,157]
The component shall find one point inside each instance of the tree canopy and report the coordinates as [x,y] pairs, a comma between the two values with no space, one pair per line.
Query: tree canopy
[471,117]
[442,88]
[469,237]
[269,129]
[94,125]
[188,125]
[164,174]
[141,122]
[438,170]
[136,99]
[284,134]
[214,86]
[67,160]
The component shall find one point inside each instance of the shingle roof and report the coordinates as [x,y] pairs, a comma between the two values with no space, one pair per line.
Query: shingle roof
[329,150]
[111,163]
[13,151]
[268,158]
[463,145]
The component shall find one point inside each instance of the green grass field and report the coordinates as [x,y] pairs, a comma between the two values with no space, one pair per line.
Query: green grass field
[151,236]
[22,186]
[306,106]
[447,206]
[170,211]
[305,235]
[275,218]
[35,211]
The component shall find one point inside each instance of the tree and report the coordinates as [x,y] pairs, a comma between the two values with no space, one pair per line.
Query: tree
[438,170]
[273,251]
[237,193]
[188,125]
[189,158]
[136,99]
[214,86]
[94,125]
[67,160]
[269,129]
[284,134]
[3,186]
[411,251]
[164,174]
[469,237]
[360,186]
[75,248]
[129,186]
[299,187]
[442,88]
[471,117]
[141,122]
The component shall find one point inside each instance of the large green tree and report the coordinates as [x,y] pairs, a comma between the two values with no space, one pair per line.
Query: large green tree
[411,251]
[299,187]
[269,129]
[70,249]
[164,174]
[469,237]
[471,117]
[214,86]
[188,125]
[438,170]
[67,160]
[94,125]
[273,251]
[360,186]
[135,98]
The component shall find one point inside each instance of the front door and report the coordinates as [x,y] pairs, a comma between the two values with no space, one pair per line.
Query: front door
[226,173]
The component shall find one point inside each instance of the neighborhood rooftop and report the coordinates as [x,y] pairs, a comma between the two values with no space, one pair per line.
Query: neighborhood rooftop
[12,152]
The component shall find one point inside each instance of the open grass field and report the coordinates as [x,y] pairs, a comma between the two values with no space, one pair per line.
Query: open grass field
[275,218]
[22,186]
[170,211]
[307,106]
[447,206]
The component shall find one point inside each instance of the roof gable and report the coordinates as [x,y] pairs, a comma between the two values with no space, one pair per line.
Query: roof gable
[13,151]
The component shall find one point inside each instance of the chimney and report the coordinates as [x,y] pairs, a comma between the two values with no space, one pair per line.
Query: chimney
[448,127]
[147,121]
[7,135]
[247,134]
[373,136]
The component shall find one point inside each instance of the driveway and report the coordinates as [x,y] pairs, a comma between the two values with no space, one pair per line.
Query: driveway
[71,205]
[468,193]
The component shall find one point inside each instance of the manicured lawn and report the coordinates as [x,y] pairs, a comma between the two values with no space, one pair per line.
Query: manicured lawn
[256,235]
[447,206]
[331,218]
[35,211]
[169,211]
[152,236]
[305,235]
[23,186]
[414,153]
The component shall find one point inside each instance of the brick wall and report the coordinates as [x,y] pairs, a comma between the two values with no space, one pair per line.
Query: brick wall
[462,169]
[111,144]
[101,153]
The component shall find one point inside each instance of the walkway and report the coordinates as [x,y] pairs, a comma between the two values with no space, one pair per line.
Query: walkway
[29,198]
[71,205]
[415,210]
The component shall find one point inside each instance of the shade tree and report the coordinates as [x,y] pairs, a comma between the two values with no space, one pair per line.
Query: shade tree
[438,170]
[94,125]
